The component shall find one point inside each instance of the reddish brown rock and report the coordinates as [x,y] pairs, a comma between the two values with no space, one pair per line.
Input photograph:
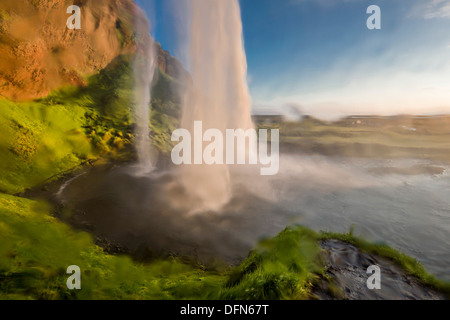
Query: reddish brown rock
[39,53]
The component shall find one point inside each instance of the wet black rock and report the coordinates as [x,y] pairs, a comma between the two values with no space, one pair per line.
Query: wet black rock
[347,277]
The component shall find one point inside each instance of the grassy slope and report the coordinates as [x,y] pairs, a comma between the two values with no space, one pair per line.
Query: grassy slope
[40,139]
[36,250]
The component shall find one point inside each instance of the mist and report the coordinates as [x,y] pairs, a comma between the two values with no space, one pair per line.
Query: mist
[218,95]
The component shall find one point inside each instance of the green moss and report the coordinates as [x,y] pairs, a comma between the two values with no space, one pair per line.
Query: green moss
[36,250]
[284,267]
[42,138]
[110,99]
[39,141]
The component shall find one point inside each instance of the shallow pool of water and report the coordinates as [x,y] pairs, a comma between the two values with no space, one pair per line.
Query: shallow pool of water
[404,203]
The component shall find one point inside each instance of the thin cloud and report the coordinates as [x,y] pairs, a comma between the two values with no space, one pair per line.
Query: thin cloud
[433,9]
[322,3]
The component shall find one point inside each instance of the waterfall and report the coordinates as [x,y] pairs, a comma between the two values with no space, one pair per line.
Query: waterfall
[144,70]
[218,95]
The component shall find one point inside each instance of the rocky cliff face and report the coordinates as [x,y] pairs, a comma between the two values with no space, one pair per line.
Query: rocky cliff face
[39,53]
[170,65]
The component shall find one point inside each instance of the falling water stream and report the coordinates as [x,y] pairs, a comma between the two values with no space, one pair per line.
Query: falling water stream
[144,70]
[218,95]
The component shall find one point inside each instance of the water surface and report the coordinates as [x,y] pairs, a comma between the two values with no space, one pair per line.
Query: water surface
[404,203]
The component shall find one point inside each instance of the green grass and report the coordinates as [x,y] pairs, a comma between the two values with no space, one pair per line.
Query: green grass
[36,250]
[42,138]
[39,141]
[284,267]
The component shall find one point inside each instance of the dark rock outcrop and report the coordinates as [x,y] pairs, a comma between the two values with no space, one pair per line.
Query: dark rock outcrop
[347,277]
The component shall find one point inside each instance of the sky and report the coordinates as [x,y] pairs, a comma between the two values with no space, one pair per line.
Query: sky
[318,56]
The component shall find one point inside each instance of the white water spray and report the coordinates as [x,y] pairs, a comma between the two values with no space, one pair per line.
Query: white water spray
[144,70]
[218,95]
